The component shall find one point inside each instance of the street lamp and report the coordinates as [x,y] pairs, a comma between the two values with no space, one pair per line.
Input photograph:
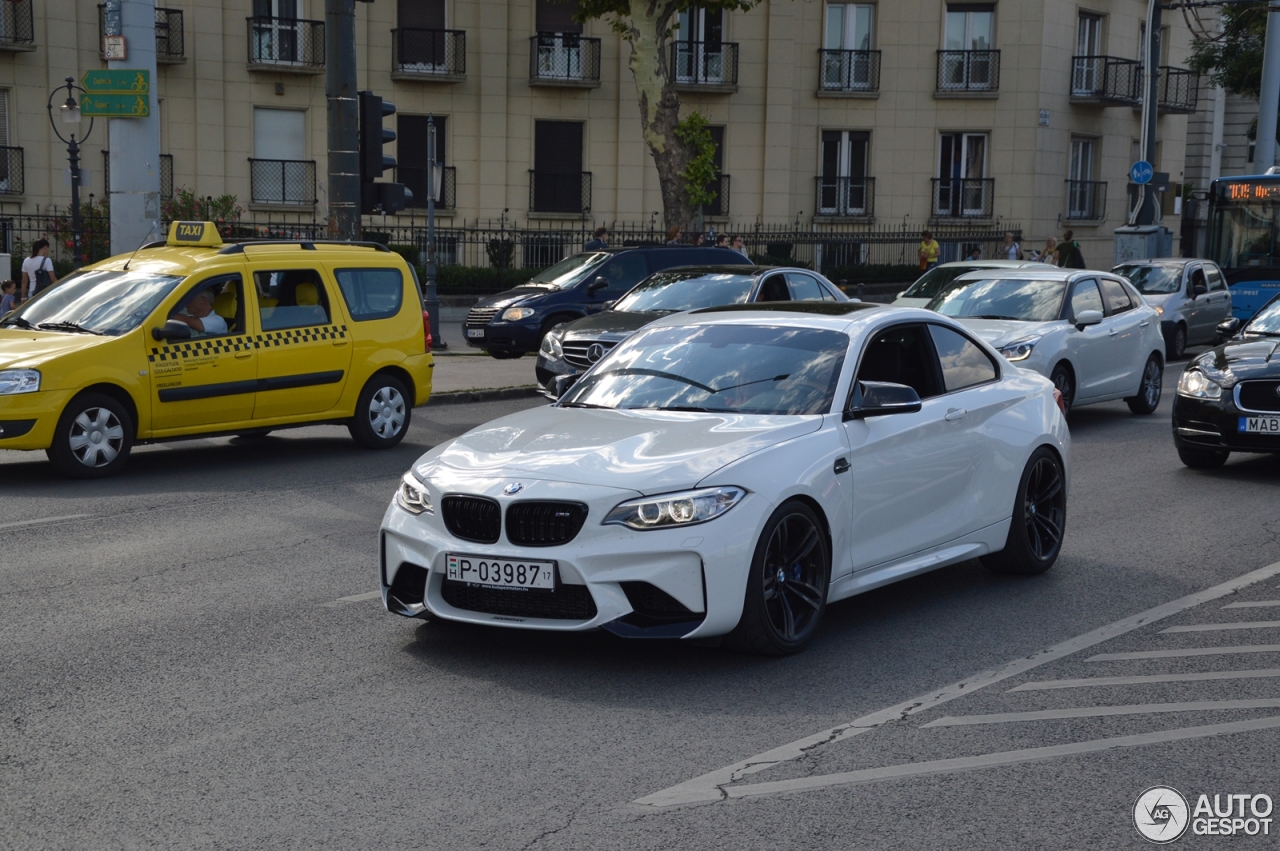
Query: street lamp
[70,111]
[431,298]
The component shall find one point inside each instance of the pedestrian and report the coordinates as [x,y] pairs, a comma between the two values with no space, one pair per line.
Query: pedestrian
[722,240]
[8,296]
[698,239]
[739,246]
[37,270]
[1010,250]
[673,235]
[1046,256]
[599,243]
[929,249]
[975,253]
[1069,255]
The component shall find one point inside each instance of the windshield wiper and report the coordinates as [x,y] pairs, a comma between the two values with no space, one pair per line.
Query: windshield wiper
[580,405]
[757,381]
[996,316]
[67,326]
[16,320]
[657,373]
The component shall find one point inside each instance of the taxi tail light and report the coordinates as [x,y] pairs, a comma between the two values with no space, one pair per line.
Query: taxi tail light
[426,331]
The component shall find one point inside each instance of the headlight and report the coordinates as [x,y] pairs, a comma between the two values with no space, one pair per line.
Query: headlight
[1020,350]
[13,381]
[413,497]
[677,509]
[1159,310]
[515,314]
[1197,385]
[551,346]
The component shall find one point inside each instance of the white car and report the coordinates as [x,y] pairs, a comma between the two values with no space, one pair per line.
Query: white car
[730,471]
[1089,332]
[933,281]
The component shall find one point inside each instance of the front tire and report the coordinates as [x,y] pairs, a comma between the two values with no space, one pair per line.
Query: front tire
[786,593]
[1064,379]
[1202,459]
[93,438]
[382,413]
[1148,398]
[1039,519]
[1176,342]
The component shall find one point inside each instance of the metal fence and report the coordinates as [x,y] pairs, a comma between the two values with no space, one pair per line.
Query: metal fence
[166,175]
[286,42]
[968,70]
[704,64]
[564,59]
[282,181]
[415,178]
[560,192]
[12,172]
[429,53]
[170,44]
[15,24]
[849,71]
[1086,200]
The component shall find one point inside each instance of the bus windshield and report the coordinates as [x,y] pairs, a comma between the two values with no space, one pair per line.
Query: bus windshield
[1244,229]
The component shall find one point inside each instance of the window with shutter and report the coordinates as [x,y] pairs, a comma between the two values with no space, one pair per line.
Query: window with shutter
[420,14]
[4,117]
[411,154]
[556,16]
[557,166]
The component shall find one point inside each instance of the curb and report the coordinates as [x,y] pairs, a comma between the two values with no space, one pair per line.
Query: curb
[483,395]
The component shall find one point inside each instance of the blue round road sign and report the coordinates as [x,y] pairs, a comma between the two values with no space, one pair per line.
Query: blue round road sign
[1141,172]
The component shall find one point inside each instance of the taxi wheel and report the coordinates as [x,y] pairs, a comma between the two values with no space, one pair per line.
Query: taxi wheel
[93,438]
[382,413]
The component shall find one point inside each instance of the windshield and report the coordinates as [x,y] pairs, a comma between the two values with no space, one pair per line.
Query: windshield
[111,303]
[668,292]
[1152,280]
[1002,298]
[1245,235]
[1265,321]
[931,283]
[740,369]
[568,271]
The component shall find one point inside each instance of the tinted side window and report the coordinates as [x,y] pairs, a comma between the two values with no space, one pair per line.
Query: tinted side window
[964,364]
[901,355]
[371,293]
[803,287]
[1085,296]
[774,288]
[1117,299]
[622,272]
[1216,281]
[293,298]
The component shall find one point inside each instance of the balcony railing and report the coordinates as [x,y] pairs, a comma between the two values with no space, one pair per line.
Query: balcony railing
[1086,200]
[963,198]
[560,192]
[16,29]
[705,65]
[170,43]
[284,182]
[849,71]
[1106,79]
[286,44]
[1179,89]
[564,59]
[12,173]
[846,197]
[429,53]
[166,175]
[719,206]
[415,178]
[968,71]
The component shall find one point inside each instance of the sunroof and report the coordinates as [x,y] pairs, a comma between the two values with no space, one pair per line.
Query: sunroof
[819,308]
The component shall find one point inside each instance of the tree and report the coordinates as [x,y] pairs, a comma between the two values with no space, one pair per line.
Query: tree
[1234,59]
[647,25]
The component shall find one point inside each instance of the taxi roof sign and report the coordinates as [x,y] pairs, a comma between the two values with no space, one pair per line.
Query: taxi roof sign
[199,234]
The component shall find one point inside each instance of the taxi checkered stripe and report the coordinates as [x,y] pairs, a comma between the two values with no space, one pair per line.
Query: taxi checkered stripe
[242,343]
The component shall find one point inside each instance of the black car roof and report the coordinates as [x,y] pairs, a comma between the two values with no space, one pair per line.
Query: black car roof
[727,269]
[618,249]
[822,308]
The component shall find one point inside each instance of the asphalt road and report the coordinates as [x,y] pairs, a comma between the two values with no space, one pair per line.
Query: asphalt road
[180,670]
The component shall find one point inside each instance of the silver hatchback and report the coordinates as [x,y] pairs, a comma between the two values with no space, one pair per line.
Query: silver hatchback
[1190,295]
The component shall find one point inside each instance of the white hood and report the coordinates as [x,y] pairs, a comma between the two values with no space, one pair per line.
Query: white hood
[1002,332]
[646,451]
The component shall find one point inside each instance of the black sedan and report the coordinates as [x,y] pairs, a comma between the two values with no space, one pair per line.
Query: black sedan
[1228,398]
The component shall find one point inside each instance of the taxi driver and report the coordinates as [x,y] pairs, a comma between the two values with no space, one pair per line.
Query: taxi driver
[200,316]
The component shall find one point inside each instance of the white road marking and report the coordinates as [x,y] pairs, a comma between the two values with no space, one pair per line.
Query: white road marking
[354,598]
[44,520]
[1215,627]
[941,766]
[1195,651]
[1257,604]
[1086,682]
[711,786]
[1103,711]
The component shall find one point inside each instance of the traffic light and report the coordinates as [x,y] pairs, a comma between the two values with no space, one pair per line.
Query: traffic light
[374,196]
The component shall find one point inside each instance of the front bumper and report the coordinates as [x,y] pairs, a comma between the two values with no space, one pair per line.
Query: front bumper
[547,369]
[28,420]
[1209,424]
[504,336]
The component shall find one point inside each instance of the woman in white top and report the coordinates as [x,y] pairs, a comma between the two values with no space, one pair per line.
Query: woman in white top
[1010,250]
[37,270]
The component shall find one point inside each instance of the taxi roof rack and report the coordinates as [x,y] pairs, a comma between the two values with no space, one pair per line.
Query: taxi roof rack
[305,244]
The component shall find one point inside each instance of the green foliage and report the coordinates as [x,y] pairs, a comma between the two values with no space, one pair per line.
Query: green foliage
[477,279]
[700,173]
[186,205]
[619,11]
[95,234]
[1235,61]
[502,253]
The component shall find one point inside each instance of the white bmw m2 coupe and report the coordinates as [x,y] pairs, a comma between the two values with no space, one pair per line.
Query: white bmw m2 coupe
[730,472]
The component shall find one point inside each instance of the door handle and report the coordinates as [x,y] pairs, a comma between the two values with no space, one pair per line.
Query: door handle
[339,342]
[955,415]
[243,355]
[841,466]
[1142,324]
[1112,332]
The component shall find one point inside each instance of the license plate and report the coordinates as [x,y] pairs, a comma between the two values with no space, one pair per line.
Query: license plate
[1260,425]
[475,333]
[520,574]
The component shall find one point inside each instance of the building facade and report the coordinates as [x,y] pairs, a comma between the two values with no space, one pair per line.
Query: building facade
[827,115]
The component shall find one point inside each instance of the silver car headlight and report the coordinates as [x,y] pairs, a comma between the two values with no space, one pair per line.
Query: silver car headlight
[1158,309]
[412,496]
[675,509]
[14,381]
[1196,385]
[552,347]
[515,314]
[1020,350]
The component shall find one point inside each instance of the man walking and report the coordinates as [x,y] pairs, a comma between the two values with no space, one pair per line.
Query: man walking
[598,243]
[1069,254]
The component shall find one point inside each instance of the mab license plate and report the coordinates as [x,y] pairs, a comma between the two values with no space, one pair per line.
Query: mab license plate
[1260,425]
[475,333]
[500,572]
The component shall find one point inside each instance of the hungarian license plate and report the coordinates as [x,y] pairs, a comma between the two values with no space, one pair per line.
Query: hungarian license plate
[1260,425]
[475,333]
[500,572]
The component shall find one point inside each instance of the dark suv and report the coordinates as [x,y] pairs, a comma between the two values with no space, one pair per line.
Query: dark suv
[514,322]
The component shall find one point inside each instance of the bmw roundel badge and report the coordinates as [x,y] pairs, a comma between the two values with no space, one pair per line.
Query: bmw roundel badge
[513,489]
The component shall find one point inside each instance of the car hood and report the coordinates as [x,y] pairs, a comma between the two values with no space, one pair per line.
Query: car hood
[1002,332]
[1242,357]
[610,323]
[513,297]
[29,349]
[645,451]
[1156,299]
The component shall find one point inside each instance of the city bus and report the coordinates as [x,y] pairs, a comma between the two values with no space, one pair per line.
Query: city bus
[1244,238]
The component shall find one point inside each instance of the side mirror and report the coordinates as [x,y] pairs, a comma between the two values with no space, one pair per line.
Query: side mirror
[562,384]
[172,330]
[1229,327]
[880,398]
[1198,290]
[608,305]
[1088,317]
[600,283]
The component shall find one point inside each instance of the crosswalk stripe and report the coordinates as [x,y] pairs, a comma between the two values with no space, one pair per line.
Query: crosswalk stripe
[1215,627]
[1193,651]
[1256,604]
[1087,682]
[1103,711]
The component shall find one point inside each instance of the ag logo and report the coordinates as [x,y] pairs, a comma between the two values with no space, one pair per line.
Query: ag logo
[1161,814]
[594,352]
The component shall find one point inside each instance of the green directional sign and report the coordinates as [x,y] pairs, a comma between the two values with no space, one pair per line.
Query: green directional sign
[117,81]
[115,106]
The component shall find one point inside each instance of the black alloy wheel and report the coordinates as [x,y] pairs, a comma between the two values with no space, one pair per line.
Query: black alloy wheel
[1039,519]
[1064,380]
[1148,398]
[786,591]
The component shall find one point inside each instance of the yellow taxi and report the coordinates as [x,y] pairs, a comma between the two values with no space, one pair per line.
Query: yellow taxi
[191,337]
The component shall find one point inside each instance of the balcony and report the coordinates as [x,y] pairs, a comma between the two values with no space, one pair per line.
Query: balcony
[1105,80]
[282,183]
[703,66]
[286,45]
[1086,200]
[845,197]
[963,198]
[12,173]
[170,43]
[719,206]
[166,175]
[968,73]
[564,60]
[1178,89]
[560,192]
[851,73]
[429,55]
[16,30]
[415,178]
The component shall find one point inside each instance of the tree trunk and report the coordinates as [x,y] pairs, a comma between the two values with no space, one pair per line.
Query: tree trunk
[659,105]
